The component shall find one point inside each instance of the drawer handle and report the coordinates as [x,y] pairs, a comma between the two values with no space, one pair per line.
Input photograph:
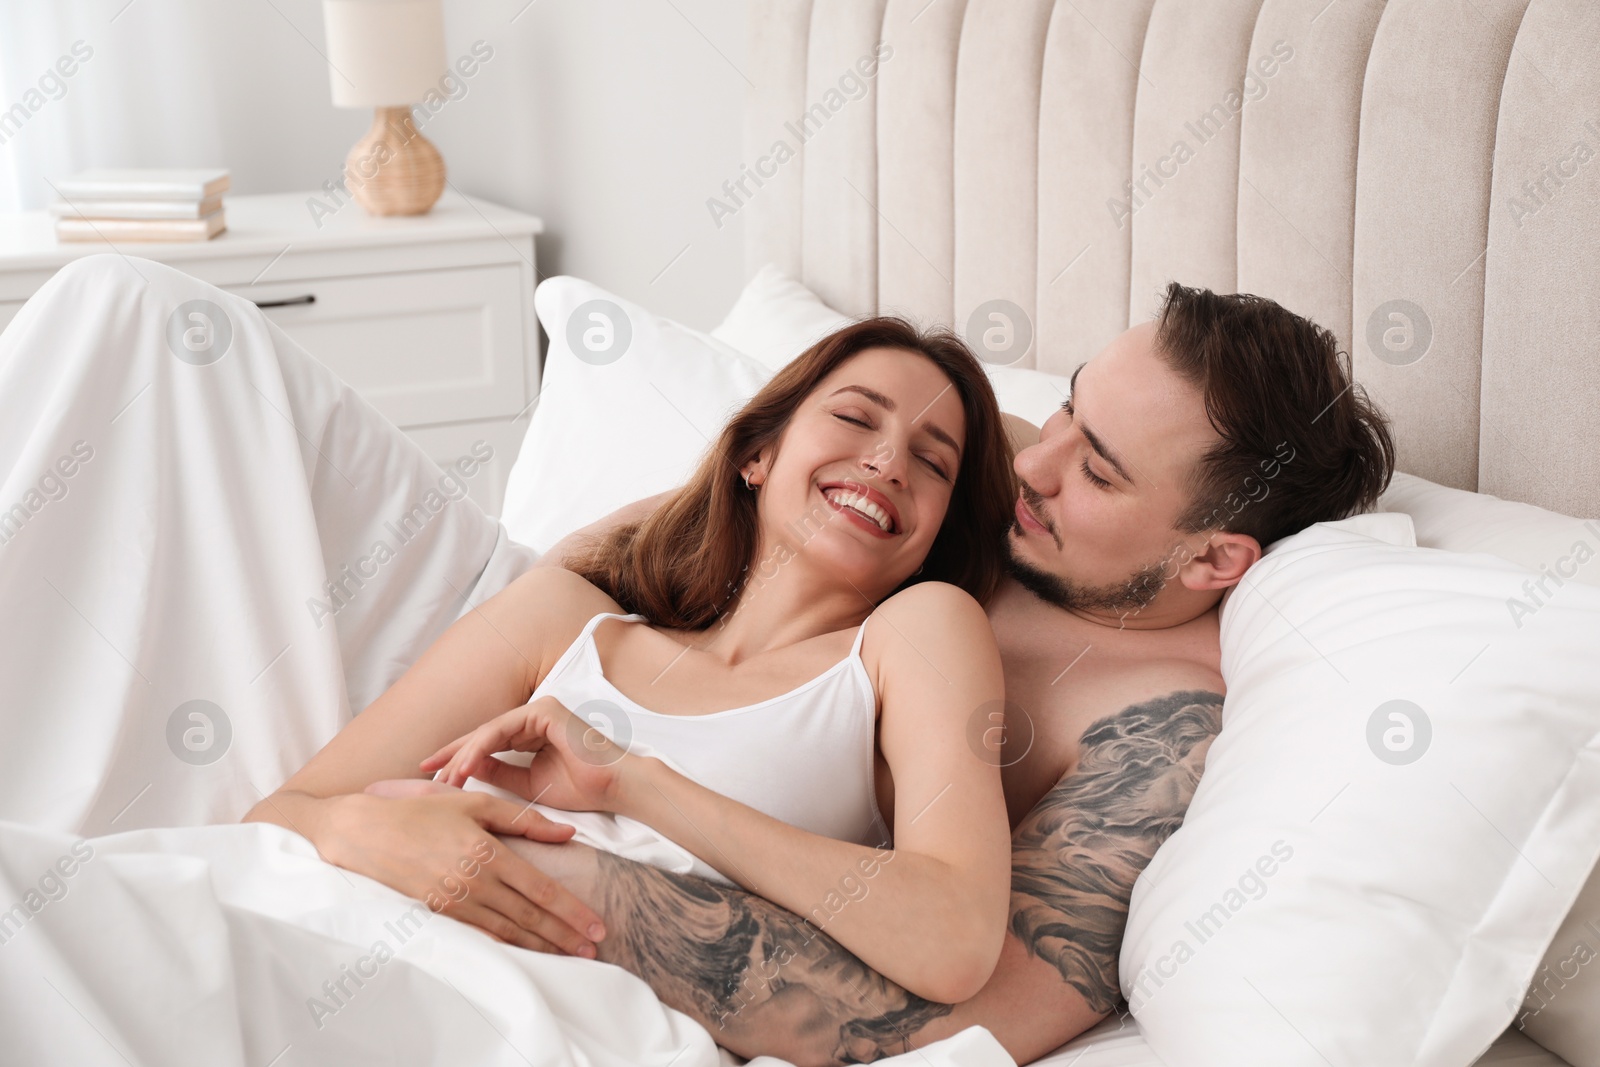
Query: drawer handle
[309,298]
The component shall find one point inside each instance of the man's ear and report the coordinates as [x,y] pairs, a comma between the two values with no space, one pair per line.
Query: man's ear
[1221,561]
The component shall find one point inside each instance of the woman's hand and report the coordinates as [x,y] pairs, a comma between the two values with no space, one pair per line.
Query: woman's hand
[441,849]
[575,766]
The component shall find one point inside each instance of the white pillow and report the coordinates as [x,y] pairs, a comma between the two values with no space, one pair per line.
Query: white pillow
[628,404]
[1561,1010]
[776,318]
[1326,901]
[1460,521]
[629,401]
[1034,395]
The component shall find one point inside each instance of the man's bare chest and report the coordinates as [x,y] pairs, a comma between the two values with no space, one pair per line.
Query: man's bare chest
[1063,676]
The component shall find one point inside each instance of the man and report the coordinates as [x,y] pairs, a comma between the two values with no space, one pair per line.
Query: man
[1186,445]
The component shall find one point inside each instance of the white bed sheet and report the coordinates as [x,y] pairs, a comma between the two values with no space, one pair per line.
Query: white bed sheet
[1116,1042]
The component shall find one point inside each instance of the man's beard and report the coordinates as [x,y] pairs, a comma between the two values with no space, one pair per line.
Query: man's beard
[1132,594]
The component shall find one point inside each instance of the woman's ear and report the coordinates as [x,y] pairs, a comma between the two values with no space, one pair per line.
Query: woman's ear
[755,470]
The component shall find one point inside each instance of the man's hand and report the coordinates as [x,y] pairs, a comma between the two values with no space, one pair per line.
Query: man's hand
[440,848]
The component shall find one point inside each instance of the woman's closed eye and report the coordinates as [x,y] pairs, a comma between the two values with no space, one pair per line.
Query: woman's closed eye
[933,465]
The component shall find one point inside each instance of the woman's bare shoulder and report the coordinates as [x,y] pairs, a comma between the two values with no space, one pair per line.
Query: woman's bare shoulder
[558,591]
[549,606]
[929,623]
[930,596]
[1022,432]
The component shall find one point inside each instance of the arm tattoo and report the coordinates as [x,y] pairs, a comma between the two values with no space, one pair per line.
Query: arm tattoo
[1077,854]
[751,972]
[766,981]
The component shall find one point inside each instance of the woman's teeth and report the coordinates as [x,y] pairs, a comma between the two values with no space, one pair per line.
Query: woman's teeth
[861,505]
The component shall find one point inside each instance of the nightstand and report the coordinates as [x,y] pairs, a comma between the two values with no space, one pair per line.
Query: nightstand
[429,317]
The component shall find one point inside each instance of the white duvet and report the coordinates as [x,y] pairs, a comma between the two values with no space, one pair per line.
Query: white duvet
[181,483]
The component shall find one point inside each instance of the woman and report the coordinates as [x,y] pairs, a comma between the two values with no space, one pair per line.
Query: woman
[867,483]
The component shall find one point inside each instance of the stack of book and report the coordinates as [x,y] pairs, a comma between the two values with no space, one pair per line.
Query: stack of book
[140,204]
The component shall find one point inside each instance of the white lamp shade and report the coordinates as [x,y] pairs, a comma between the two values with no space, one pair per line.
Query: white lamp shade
[383,53]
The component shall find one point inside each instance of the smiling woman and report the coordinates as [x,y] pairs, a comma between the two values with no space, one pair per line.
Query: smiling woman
[644,566]
[867,486]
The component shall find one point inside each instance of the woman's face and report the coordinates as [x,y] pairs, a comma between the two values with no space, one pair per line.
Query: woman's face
[863,473]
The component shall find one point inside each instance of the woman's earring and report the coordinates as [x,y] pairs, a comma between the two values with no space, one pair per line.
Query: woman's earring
[747,484]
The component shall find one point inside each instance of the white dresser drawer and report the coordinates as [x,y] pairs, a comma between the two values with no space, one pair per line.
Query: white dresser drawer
[425,347]
[489,449]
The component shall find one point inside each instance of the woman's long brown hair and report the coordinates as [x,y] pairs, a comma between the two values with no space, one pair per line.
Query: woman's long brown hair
[681,566]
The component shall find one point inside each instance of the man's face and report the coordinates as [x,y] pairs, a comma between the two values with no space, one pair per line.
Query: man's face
[1104,486]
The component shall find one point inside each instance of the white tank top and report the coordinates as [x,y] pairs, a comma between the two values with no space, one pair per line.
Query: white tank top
[805,757]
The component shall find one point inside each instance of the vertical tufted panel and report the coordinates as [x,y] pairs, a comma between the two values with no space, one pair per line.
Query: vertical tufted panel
[1356,189]
[997,156]
[1297,157]
[916,172]
[1540,422]
[1422,197]
[777,47]
[1185,169]
[839,217]
[1090,81]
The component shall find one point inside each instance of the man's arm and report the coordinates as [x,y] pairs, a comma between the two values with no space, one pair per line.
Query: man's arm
[573,547]
[765,981]
[1075,858]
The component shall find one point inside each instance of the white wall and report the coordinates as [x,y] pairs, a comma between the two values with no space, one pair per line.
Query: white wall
[614,120]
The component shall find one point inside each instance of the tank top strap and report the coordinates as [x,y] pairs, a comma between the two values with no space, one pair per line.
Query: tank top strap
[588,627]
[861,631]
[575,651]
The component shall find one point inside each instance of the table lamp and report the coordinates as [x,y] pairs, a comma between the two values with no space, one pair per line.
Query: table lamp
[388,54]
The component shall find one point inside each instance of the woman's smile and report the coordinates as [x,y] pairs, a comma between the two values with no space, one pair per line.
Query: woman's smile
[863,505]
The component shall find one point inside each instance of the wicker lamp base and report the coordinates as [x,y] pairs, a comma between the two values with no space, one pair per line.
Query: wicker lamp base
[394,170]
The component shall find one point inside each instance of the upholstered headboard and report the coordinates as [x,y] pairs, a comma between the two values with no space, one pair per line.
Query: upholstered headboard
[1422,177]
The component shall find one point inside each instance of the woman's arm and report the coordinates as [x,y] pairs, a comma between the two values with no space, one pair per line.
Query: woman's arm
[931,914]
[486,662]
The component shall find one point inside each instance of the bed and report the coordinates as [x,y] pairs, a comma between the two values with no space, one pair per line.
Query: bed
[1405,173]
[1116,1042]
[1373,180]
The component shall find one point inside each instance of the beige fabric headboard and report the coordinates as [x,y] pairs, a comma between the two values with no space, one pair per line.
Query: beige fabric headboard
[1421,175]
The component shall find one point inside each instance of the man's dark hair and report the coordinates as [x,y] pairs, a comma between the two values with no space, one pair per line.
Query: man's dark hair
[1301,442]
